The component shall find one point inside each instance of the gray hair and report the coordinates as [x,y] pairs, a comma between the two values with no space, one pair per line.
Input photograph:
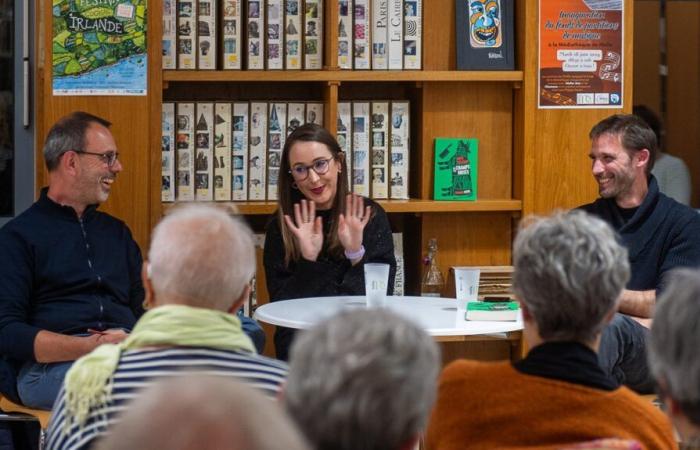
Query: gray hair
[362,380]
[675,339]
[196,412]
[201,255]
[569,272]
[67,134]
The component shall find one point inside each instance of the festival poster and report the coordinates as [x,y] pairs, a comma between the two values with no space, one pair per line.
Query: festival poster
[99,47]
[580,54]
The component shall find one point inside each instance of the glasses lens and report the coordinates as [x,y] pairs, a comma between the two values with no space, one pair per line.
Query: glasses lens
[299,172]
[111,158]
[321,166]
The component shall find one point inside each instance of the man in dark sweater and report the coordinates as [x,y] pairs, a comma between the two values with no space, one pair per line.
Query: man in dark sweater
[70,275]
[659,233]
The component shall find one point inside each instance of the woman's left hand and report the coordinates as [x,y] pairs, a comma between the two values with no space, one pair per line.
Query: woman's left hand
[353,222]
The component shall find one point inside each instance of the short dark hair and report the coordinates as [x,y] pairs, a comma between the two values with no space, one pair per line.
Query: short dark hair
[634,134]
[68,133]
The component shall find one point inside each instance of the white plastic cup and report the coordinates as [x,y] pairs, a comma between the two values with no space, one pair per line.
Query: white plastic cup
[466,285]
[376,283]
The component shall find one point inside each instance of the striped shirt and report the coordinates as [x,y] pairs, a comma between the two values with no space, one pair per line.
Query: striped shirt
[138,369]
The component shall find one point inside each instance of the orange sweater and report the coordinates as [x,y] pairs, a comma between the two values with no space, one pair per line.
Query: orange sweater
[484,405]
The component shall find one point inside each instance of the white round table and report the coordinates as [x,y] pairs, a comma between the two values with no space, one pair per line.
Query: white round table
[439,317]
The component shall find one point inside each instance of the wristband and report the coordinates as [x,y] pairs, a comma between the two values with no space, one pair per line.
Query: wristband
[355,255]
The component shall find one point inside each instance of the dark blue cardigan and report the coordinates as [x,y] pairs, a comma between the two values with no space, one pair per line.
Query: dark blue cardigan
[661,235]
[65,275]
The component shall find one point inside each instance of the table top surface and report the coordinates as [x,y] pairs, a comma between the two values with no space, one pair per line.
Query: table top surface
[437,316]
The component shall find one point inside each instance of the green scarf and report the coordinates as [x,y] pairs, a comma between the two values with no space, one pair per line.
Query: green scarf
[88,382]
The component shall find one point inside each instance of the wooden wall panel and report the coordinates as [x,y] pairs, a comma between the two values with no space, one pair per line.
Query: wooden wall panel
[439,51]
[683,87]
[647,54]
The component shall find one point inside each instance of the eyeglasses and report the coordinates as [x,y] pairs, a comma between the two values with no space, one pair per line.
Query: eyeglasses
[300,172]
[108,157]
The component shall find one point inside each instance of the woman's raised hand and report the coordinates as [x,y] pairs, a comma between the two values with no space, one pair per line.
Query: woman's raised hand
[353,222]
[307,229]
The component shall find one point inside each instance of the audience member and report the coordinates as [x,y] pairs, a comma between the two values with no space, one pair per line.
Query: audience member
[659,233]
[673,353]
[362,380]
[203,413]
[69,273]
[569,272]
[194,285]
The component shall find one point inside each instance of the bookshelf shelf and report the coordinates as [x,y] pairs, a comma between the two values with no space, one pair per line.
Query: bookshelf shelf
[286,76]
[390,206]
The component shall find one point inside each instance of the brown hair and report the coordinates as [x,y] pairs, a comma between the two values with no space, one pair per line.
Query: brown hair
[288,195]
[634,134]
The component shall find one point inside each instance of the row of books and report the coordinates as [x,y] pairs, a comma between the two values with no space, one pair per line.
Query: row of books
[225,151]
[288,34]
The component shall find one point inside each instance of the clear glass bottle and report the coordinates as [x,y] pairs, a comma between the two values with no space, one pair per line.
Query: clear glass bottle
[433,282]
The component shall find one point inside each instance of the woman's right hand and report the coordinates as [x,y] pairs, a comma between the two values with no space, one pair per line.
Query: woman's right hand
[307,229]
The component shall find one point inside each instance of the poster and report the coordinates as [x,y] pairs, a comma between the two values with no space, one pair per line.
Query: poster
[99,47]
[580,54]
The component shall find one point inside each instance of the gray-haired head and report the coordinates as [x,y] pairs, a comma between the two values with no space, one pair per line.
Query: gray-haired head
[569,273]
[362,380]
[67,134]
[196,412]
[201,256]
[675,340]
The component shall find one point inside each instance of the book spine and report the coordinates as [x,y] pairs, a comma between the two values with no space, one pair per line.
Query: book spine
[222,151]
[399,148]
[380,21]
[296,113]
[169,41]
[275,60]
[292,34]
[256,33]
[206,35]
[258,147]
[241,124]
[231,33]
[361,31]
[167,145]
[186,34]
[413,35]
[345,12]
[277,133]
[204,137]
[314,113]
[380,159]
[313,35]
[344,136]
[395,32]
[185,151]
[360,148]
[398,255]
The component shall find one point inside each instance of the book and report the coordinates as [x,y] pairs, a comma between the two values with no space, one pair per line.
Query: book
[277,134]
[206,34]
[314,113]
[186,34]
[222,151]
[344,136]
[292,34]
[296,116]
[239,151]
[380,36]
[256,35]
[360,148]
[361,35]
[380,149]
[395,34]
[167,149]
[345,33]
[169,40]
[258,151]
[456,169]
[275,36]
[313,34]
[484,32]
[231,17]
[489,311]
[185,151]
[399,149]
[204,139]
[413,35]
[399,281]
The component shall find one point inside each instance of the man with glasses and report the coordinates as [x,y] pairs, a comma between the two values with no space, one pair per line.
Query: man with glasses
[70,275]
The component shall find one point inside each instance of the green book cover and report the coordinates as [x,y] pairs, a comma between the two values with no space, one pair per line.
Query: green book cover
[456,168]
[492,306]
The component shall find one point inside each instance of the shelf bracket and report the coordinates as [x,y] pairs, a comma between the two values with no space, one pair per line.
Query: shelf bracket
[517,85]
[166,84]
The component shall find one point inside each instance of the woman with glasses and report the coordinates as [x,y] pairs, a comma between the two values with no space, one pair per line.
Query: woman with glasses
[321,235]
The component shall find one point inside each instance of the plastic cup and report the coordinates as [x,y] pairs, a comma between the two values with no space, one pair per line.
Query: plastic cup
[376,282]
[466,285]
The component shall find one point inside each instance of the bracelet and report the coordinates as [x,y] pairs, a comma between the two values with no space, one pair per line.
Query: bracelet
[355,255]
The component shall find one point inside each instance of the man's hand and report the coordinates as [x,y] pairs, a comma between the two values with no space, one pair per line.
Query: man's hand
[639,304]
[50,347]
[111,336]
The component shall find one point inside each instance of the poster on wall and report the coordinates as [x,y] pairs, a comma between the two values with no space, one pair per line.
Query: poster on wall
[580,54]
[99,47]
